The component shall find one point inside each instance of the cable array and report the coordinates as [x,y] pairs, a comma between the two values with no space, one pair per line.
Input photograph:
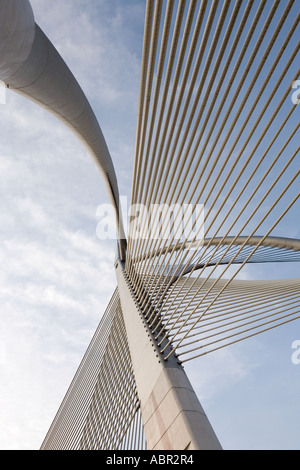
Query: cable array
[216,158]
[215,180]
[272,249]
[101,410]
[205,316]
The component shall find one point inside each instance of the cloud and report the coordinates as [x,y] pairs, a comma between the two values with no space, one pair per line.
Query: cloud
[56,277]
[94,54]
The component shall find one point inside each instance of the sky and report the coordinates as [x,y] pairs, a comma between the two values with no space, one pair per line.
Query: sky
[57,276]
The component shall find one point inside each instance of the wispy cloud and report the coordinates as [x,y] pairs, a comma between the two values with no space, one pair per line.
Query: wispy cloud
[56,276]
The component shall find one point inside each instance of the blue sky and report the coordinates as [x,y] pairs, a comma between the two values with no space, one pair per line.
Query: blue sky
[56,276]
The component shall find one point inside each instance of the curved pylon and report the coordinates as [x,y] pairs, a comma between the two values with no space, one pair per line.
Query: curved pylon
[31,66]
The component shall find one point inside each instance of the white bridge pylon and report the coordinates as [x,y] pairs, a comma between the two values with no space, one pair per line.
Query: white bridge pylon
[216,126]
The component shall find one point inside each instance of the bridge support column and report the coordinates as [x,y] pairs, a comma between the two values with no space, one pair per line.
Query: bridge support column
[172,414]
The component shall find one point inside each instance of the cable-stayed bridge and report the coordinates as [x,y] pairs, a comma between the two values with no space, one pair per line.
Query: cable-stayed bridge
[216,172]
